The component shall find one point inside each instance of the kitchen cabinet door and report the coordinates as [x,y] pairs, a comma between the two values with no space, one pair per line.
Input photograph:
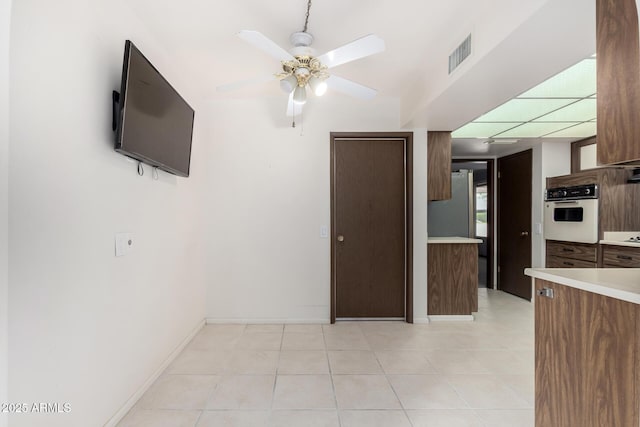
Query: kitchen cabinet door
[618,81]
[439,165]
[586,351]
[620,257]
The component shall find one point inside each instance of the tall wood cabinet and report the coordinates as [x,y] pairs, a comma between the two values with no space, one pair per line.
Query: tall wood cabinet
[618,77]
[586,353]
[438,165]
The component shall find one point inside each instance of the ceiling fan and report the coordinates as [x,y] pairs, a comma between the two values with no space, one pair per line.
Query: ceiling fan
[301,69]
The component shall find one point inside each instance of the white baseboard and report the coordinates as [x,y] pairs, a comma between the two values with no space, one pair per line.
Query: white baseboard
[452,318]
[421,320]
[215,321]
[138,394]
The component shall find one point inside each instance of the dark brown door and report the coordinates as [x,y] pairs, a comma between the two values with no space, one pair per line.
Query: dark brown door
[369,227]
[514,223]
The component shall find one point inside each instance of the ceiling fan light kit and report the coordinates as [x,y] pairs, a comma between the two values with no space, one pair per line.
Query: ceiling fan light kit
[300,95]
[289,83]
[302,69]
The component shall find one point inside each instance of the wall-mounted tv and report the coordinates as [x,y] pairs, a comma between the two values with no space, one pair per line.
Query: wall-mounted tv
[154,124]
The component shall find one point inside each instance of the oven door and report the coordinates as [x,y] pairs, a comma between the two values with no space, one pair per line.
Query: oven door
[571,220]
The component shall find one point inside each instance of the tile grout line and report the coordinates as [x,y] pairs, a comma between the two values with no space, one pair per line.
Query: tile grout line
[395,393]
[333,386]
[275,378]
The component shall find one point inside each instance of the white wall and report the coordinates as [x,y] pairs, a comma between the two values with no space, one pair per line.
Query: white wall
[549,159]
[86,327]
[269,195]
[420,225]
[5,13]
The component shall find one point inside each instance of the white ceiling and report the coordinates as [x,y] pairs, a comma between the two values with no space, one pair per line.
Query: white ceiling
[515,46]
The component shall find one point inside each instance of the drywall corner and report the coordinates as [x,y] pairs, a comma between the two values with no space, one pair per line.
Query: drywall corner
[549,159]
[5,15]
[419,224]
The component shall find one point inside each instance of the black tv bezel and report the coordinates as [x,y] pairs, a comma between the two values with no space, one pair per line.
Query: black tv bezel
[121,115]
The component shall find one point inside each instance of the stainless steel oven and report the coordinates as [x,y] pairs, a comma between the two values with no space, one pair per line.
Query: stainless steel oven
[571,214]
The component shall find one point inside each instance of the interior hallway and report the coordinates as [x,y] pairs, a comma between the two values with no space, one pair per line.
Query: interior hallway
[453,374]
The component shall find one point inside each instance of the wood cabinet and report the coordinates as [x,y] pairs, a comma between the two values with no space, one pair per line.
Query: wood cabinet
[620,257]
[452,278]
[438,165]
[618,80]
[586,354]
[571,255]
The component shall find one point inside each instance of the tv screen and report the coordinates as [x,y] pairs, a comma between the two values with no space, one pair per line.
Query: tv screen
[155,124]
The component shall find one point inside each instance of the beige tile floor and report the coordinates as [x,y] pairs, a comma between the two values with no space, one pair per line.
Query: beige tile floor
[387,374]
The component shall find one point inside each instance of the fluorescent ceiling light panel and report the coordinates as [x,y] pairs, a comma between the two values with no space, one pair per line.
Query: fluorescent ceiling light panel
[533,130]
[523,110]
[578,81]
[582,130]
[580,111]
[481,130]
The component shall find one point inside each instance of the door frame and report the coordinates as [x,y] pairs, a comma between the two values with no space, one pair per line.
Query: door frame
[408,179]
[491,235]
[498,257]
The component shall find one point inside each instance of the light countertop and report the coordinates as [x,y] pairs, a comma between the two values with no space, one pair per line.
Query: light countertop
[619,283]
[617,243]
[441,240]
[618,238]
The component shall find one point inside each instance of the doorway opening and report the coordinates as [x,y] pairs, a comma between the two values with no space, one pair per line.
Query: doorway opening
[482,213]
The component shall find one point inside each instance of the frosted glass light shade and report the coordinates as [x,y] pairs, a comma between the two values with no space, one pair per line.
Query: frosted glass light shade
[580,111]
[300,95]
[319,87]
[523,110]
[533,130]
[481,130]
[289,83]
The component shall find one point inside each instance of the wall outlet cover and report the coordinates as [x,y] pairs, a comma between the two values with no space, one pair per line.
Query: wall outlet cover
[124,243]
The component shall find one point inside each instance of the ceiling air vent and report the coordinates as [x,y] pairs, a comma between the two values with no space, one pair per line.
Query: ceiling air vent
[460,54]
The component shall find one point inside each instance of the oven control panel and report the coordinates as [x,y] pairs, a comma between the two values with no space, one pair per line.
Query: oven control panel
[589,191]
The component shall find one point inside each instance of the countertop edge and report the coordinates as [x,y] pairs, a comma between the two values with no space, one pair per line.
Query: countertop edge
[596,288]
[616,243]
[452,240]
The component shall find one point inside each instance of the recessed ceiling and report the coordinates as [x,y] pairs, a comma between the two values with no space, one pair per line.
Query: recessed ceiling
[564,106]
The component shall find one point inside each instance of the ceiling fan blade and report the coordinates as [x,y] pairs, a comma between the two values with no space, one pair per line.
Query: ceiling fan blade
[350,88]
[293,109]
[242,83]
[265,44]
[365,46]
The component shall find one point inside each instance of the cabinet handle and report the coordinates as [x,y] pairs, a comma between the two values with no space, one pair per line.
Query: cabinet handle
[567,250]
[545,292]
[567,263]
[628,258]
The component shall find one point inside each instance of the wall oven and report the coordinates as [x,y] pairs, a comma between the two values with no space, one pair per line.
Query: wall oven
[571,214]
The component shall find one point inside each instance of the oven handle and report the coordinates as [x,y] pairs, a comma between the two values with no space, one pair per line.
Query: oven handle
[566,202]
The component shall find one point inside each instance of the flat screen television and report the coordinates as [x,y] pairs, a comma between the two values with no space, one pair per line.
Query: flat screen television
[154,124]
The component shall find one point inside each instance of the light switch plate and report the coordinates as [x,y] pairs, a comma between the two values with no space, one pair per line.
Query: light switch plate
[324,232]
[124,243]
[538,228]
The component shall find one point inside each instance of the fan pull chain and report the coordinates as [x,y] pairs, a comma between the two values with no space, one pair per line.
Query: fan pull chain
[306,21]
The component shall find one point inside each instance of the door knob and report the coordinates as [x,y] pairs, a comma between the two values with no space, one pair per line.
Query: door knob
[524,233]
[340,238]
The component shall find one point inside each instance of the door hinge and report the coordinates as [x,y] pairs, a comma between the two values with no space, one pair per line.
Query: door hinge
[498,174]
[498,269]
